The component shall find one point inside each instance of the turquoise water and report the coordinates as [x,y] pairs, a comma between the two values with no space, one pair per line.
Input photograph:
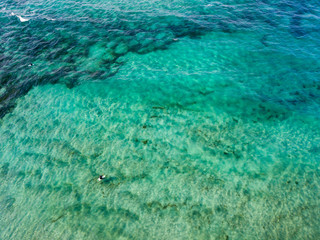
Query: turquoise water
[204,116]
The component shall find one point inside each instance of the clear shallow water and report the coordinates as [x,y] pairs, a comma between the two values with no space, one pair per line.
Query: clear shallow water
[212,132]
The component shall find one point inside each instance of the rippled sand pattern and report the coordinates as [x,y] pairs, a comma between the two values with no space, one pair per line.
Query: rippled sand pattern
[206,127]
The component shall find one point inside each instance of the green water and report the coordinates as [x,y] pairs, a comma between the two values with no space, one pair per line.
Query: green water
[209,132]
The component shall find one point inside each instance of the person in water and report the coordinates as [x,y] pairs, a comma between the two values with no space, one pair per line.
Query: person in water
[101,177]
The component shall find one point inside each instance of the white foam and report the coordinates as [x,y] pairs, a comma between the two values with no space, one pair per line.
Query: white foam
[20,18]
[50,19]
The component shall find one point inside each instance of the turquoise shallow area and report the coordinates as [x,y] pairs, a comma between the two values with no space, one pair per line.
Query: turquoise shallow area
[213,133]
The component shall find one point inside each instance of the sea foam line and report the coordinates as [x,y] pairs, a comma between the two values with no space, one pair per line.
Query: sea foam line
[20,18]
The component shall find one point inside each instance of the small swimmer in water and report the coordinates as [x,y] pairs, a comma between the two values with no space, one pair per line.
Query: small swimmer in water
[30,65]
[101,177]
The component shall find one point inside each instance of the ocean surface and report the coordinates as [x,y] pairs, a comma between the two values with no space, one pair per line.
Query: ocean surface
[204,116]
